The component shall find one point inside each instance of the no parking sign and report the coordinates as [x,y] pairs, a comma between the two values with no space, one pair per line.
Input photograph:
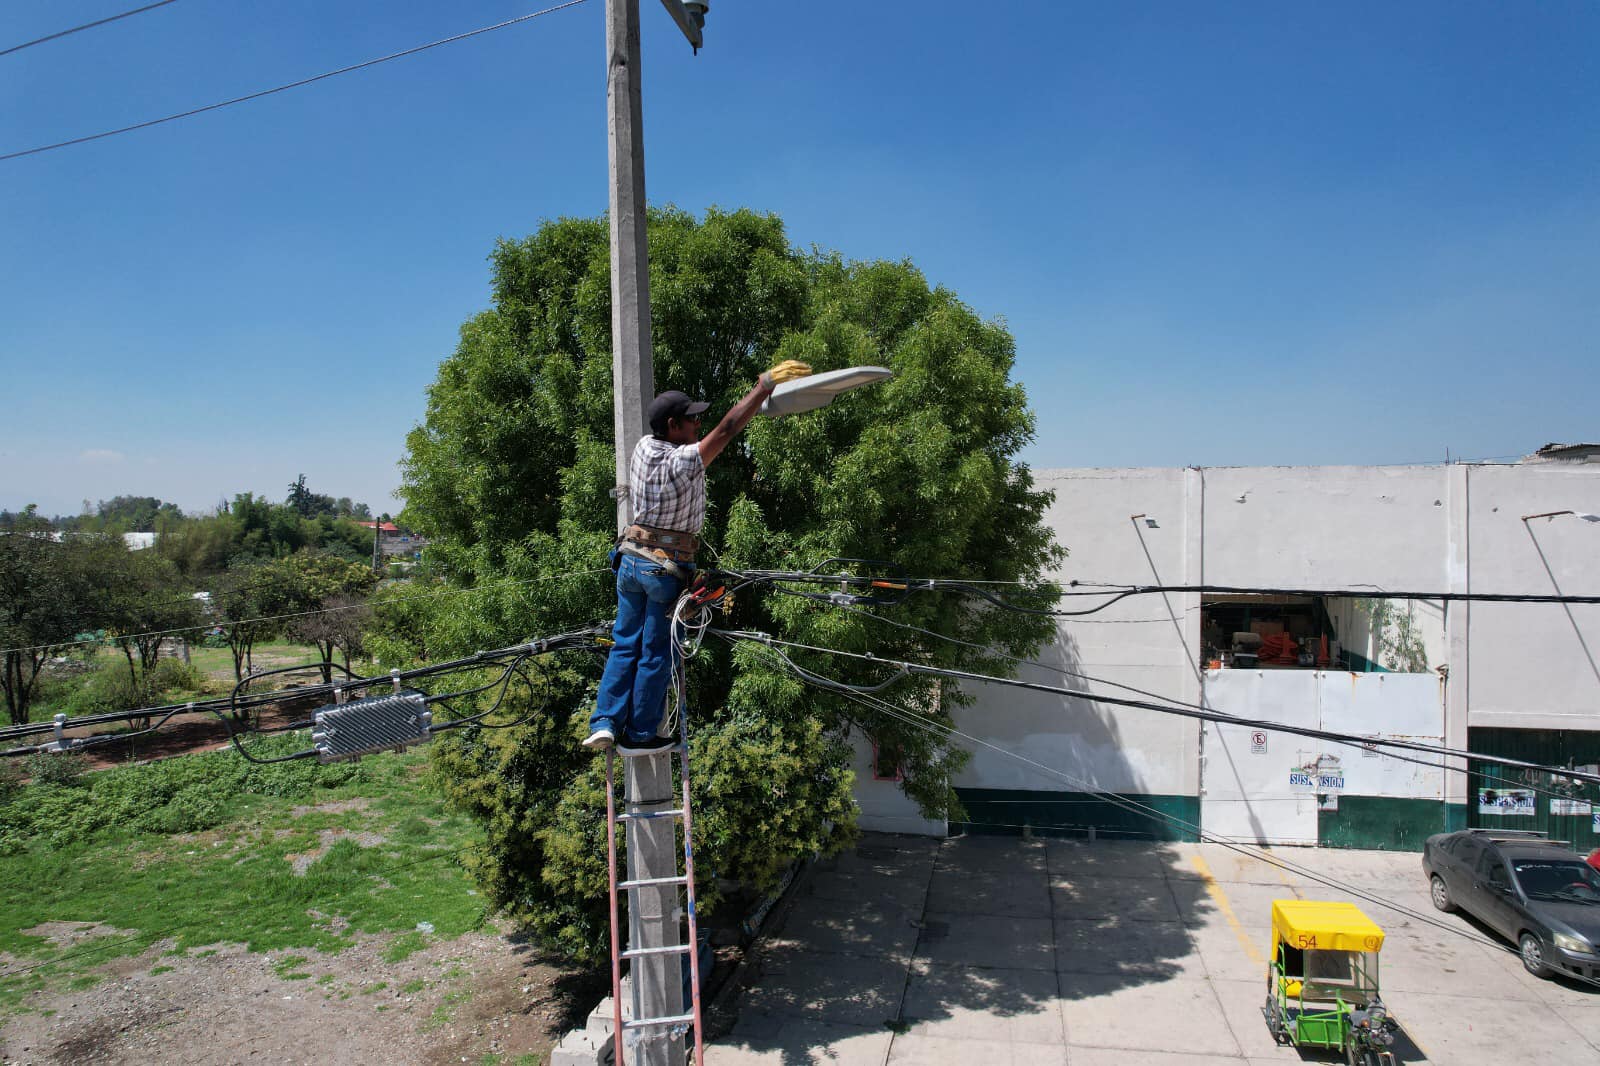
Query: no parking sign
[1258,742]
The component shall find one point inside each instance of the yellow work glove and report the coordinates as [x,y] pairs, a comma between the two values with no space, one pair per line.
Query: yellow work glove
[787,370]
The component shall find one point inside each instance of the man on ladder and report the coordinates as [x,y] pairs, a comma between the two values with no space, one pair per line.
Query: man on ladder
[655,556]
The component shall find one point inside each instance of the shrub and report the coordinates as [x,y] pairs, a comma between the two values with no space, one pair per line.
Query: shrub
[105,688]
[11,779]
[175,675]
[62,768]
[180,795]
[190,810]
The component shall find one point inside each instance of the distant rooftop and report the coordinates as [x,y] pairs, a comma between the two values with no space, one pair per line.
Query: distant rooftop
[1565,453]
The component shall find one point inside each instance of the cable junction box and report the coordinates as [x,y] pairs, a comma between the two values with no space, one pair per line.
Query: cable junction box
[377,723]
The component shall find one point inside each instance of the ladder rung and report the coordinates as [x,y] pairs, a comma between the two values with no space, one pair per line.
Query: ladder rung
[647,881]
[675,949]
[675,1019]
[648,814]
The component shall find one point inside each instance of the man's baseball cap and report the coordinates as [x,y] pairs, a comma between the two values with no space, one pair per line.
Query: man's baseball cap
[673,404]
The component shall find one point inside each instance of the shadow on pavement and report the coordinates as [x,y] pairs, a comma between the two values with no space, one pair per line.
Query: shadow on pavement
[966,939]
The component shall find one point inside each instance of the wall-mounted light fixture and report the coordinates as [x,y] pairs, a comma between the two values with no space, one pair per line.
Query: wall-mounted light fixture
[1586,516]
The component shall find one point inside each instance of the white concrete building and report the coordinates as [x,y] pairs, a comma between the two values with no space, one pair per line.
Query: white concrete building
[1510,679]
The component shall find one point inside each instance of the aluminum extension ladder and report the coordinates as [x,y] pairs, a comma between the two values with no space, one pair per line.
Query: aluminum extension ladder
[684,878]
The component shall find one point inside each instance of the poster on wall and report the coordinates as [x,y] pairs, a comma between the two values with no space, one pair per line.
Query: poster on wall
[1322,774]
[1506,801]
[1569,806]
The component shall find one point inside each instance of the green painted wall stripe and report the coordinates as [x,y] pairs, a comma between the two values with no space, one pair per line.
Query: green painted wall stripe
[1006,811]
[1383,823]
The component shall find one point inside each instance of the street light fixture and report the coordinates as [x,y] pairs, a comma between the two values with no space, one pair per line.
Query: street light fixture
[818,390]
[1557,514]
[690,15]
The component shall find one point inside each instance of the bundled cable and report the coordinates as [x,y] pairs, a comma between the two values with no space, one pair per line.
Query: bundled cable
[1170,707]
[907,717]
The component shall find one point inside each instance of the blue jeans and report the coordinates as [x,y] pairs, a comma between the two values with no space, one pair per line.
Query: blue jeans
[633,689]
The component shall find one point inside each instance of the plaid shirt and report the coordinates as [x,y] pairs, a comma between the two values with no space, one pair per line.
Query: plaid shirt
[668,487]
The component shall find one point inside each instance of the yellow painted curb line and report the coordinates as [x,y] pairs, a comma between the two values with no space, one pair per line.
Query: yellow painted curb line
[1220,898]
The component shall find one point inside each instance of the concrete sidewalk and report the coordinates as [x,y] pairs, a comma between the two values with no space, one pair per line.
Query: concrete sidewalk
[1011,952]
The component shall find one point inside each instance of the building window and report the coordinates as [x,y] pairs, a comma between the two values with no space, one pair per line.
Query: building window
[886,762]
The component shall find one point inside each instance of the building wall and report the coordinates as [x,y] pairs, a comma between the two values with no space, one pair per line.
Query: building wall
[881,806]
[1142,641]
[1424,528]
[1532,666]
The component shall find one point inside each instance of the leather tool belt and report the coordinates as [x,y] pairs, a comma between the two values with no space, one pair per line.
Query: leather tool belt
[677,546]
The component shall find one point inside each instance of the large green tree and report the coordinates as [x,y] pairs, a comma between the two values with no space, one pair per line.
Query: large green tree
[51,587]
[509,477]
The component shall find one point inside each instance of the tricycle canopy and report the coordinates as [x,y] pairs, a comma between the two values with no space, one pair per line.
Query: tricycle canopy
[1318,926]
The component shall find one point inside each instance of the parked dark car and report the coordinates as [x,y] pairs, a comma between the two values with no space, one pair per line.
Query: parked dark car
[1538,893]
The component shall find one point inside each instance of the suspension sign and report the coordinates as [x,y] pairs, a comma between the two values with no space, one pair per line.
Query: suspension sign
[1258,742]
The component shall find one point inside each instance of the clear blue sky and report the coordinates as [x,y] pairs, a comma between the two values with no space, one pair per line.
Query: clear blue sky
[1221,233]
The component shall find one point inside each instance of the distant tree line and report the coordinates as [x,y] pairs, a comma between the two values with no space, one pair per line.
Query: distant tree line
[249,571]
[150,514]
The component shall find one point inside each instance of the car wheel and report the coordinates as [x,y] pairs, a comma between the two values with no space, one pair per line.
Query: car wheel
[1533,955]
[1441,894]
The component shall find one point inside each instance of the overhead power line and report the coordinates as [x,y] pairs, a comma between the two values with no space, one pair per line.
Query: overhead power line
[1368,593]
[879,588]
[588,638]
[302,614]
[1142,810]
[1161,817]
[1169,707]
[291,85]
[85,26]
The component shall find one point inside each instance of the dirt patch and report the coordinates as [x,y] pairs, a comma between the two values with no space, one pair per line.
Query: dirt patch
[359,803]
[66,934]
[302,861]
[481,994]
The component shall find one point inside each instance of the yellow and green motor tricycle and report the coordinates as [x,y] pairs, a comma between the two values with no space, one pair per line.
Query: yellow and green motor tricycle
[1322,982]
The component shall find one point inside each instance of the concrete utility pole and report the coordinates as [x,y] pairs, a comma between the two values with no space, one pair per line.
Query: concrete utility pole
[653,913]
[632,364]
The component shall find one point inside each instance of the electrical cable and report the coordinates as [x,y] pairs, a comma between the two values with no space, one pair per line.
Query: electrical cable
[1182,710]
[503,683]
[1140,691]
[1369,593]
[85,26]
[1135,807]
[520,721]
[1115,593]
[291,85]
[307,614]
[581,639]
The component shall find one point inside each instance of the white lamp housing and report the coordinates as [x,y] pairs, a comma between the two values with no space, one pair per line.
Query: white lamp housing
[818,390]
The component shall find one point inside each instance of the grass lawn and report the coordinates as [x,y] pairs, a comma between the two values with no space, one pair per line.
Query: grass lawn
[308,873]
[218,662]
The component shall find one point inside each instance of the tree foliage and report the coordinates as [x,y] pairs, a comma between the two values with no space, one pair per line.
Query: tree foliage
[256,600]
[146,602]
[254,529]
[41,592]
[53,586]
[509,477]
